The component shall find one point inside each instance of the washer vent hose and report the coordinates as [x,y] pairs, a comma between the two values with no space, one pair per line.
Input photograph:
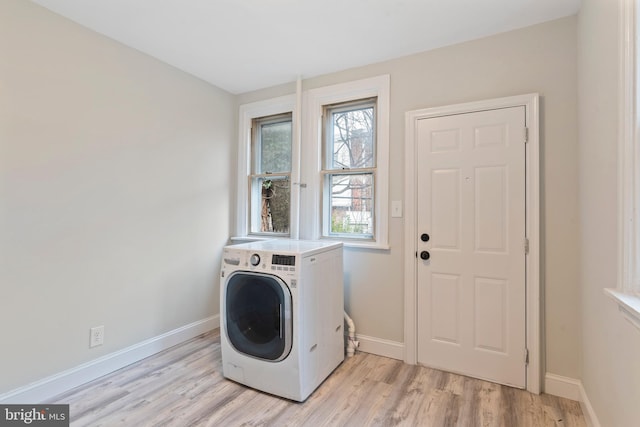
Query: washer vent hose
[352,344]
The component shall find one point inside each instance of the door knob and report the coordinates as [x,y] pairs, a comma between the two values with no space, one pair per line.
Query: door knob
[424,255]
[424,237]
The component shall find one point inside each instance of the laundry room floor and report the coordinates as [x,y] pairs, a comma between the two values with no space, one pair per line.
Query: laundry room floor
[183,386]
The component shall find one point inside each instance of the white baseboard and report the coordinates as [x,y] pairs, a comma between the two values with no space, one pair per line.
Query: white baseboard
[381,347]
[571,388]
[560,386]
[587,409]
[56,384]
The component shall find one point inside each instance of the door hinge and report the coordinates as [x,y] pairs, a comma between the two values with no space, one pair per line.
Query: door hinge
[526,246]
[526,356]
[526,135]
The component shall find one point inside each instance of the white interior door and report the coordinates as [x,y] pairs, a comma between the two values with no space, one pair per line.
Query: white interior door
[471,204]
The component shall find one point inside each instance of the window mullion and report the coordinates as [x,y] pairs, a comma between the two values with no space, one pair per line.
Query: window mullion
[270,174]
[349,171]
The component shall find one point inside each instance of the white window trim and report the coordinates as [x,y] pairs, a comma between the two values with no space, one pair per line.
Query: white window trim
[314,101]
[248,112]
[627,293]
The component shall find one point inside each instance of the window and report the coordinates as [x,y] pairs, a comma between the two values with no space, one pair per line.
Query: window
[627,293]
[335,184]
[270,177]
[348,198]
[629,277]
[349,169]
[265,203]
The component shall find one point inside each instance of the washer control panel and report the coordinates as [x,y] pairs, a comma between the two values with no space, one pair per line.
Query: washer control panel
[283,259]
[259,261]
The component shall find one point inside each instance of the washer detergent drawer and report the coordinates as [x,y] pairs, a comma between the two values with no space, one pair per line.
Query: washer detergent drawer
[258,315]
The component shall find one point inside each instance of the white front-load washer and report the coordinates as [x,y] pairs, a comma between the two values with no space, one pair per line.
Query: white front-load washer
[282,314]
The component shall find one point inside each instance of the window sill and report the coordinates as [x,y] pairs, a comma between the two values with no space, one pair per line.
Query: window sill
[247,239]
[373,246]
[629,305]
[346,244]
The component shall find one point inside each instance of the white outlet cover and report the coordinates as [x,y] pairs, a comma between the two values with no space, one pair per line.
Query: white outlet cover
[396,209]
[96,336]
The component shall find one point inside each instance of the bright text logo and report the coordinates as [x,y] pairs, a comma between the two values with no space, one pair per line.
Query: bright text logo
[34,415]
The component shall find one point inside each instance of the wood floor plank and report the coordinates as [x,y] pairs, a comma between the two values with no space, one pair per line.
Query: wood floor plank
[183,387]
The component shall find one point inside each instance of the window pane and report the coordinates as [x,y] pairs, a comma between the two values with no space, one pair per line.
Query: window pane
[271,204]
[352,138]
[351,199]
[275,147]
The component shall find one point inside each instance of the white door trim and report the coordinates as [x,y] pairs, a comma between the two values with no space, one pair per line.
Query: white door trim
[531,104]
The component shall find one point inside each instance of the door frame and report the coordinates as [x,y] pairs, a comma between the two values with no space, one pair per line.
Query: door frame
[532,226]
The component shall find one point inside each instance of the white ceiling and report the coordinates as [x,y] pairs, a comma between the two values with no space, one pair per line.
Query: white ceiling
[243,45]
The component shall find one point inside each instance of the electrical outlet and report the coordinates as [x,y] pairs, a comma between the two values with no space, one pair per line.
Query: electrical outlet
[96,336]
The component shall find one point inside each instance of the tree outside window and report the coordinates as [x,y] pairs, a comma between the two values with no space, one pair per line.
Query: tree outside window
[270,180]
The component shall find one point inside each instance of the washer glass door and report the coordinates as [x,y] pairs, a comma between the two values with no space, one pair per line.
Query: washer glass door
[258,315]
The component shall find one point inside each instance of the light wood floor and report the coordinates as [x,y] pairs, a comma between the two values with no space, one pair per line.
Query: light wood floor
[183,386]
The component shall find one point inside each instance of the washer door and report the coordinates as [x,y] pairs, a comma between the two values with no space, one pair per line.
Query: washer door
[258,315]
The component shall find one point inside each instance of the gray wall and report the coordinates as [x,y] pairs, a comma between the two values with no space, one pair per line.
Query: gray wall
[611,345]
[540,58]
[115,177]
[114,194]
